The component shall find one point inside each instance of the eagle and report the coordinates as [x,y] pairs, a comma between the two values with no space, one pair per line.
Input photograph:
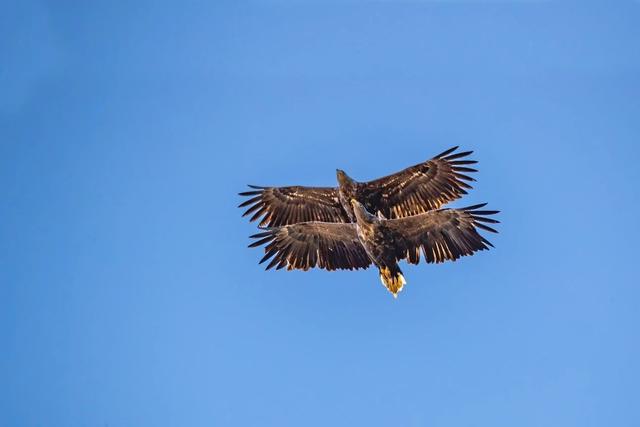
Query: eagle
[415,190]
[440,235]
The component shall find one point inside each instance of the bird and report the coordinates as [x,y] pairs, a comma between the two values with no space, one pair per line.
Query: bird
[440,235]
[415,190]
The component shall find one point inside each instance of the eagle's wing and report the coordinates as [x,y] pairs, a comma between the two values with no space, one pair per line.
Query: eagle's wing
[313,244]
[445,234]
[423,187]
[276,206]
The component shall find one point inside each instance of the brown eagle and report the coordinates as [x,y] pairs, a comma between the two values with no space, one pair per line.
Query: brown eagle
[412,191]
[444,234]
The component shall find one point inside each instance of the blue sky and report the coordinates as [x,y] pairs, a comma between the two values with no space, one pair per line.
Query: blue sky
[128,296]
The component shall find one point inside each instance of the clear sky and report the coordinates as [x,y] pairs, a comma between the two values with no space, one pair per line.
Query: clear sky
[128,296]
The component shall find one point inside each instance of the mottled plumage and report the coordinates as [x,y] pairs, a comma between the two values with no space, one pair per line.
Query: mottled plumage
[415,190]
[440,235]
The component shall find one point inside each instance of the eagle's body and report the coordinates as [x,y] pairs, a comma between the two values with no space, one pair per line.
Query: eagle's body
[379,242]
[413,191]
[445,234]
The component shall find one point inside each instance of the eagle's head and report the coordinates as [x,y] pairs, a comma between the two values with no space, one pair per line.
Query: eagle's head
[362,214]
[343,178]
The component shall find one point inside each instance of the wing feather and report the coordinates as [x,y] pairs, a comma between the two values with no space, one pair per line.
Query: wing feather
[441,235]
[326,245]
[423,187]
[277,206]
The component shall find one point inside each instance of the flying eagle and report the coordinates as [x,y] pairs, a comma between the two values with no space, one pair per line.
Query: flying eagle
[415,190]
[444,234]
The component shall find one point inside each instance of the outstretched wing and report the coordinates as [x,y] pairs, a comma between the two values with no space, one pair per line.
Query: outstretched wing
[445,234]
[276,206]
[313,244]
[423,187]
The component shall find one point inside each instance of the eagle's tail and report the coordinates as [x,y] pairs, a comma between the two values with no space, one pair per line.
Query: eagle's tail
[392,279]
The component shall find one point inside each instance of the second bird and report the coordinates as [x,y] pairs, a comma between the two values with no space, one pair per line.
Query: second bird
[441,235]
